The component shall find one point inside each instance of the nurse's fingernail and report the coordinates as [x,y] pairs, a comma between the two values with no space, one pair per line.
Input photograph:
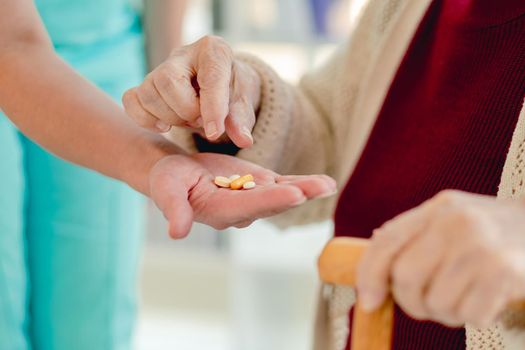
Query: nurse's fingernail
[326,194]
[299,201]
[162,127]
[211,130]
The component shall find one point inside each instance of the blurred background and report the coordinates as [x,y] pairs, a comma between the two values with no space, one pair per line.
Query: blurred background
[253,288]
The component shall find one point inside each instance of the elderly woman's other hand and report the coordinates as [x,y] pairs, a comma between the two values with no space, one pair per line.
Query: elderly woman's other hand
[458,258]
[200,86]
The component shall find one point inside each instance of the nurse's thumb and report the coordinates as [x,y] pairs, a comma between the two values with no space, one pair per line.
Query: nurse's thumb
[179,215]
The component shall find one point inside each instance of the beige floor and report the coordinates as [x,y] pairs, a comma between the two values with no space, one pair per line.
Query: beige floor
[254,290]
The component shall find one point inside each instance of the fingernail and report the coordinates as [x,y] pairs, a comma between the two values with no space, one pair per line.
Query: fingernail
[247,132]
[211,130]
[326,194]
[370,301]
[163,127]
[300,201]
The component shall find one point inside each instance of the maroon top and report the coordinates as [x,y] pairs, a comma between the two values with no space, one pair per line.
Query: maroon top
[447,122]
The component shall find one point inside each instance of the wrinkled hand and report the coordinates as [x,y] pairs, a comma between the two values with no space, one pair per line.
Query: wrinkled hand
[458,258]
[183,189]
[200,86]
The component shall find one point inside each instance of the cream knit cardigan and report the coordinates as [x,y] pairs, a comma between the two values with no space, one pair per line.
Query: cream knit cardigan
[322,125]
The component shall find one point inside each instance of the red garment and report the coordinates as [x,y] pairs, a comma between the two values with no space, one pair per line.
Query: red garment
[446,123]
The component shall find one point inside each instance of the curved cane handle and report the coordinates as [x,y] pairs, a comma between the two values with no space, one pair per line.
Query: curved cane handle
[337,265]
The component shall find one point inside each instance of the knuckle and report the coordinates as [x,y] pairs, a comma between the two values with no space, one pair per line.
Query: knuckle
[214,72]
[436,304]
[144,121]
[243,100]
[403,276]
[448,197]
[214,42]
[207,40]
[467,313]
[163,80]
[127,98]
[147,96]
[464,221]
[382,238]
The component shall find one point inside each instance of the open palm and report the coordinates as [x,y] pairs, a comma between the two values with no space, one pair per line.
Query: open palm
[183,188]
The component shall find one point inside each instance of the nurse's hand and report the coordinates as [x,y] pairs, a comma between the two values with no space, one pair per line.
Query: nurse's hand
[200,86]
[458,258]
[183,188]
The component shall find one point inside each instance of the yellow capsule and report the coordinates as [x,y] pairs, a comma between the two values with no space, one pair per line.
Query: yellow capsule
[238,183]
[222,181]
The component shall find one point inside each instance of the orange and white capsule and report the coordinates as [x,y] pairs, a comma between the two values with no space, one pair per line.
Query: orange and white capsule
[238,183]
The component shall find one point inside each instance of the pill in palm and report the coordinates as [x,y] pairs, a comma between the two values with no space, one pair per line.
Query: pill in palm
[238,183]
[222,181]
[248,185]
[234,177]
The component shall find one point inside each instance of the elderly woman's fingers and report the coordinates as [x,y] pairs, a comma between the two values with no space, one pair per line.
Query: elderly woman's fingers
[493,297]
[173,81]
[449,284]
[214,73]
[240,122]
[374,271]
[140,115]
[153,102]
[412,272]
[244,97]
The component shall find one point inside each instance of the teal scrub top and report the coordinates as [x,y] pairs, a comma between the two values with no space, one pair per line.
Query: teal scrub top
[101,39]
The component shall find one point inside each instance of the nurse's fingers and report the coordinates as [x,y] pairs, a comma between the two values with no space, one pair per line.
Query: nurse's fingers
[313,186]
[245,206]
[139,114]
[177,210]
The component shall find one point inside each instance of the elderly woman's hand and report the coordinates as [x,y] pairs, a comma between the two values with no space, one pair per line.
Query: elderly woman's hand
[200,86]
[458,258]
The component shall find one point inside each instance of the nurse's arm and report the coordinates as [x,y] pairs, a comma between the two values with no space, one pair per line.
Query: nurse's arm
[163,26]
[63,112]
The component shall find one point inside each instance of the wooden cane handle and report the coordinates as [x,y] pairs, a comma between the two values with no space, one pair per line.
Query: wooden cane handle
[337,265]
[339,259]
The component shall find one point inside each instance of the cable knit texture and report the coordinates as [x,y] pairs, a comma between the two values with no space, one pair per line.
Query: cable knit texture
[322,125]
